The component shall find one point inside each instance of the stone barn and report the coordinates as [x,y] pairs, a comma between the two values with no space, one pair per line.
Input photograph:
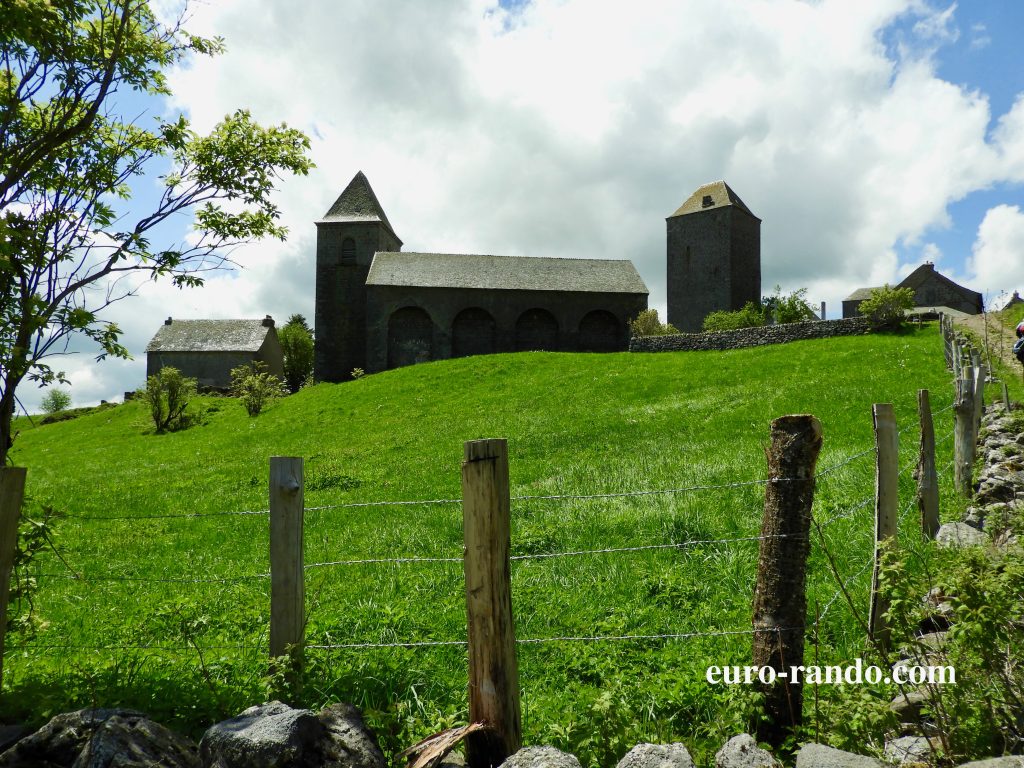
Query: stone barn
[378,307]
[713,258]
[207,350]
[931,290]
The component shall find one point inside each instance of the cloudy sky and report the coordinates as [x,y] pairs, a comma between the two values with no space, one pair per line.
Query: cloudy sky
[868,136]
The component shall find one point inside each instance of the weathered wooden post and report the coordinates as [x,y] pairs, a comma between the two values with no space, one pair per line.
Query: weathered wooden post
[287,582]
[947,339]
[1006,397]
[980,374]
[780,598]
[927,477]
[886,508]
[493,670]
[963,435]
[12,491]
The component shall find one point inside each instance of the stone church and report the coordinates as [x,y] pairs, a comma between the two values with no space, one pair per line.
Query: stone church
[378,307]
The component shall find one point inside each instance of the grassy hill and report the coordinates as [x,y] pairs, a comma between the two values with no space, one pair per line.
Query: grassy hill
[141,542]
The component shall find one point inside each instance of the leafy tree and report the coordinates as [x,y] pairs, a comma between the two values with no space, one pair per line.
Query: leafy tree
[886,307]
[168,394]
[56,400]
[792,308]
[647,323]
[750,316]
[68,153]
[297,343]
[255,386]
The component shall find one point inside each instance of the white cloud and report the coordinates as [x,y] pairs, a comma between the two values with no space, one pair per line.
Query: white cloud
[572,128]
[997,260]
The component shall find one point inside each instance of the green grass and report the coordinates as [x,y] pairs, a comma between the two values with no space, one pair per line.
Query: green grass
[576,425]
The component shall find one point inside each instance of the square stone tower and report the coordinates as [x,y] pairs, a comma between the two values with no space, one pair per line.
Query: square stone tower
[714,256]
[347,237]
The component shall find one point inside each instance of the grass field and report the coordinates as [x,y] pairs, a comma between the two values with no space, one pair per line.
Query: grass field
[577,425]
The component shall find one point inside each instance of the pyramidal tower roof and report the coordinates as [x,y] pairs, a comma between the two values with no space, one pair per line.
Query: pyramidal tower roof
[357,203]
[714,195]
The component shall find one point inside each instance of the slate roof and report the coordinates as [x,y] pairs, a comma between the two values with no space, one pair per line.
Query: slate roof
[721,195]
[209,336]
[523,273]
[917,278]
[861,294]
[357,203]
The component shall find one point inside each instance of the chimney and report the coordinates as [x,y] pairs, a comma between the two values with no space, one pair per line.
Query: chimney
[168,321]
[268,322]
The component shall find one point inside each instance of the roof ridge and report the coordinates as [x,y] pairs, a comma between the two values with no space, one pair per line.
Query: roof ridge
[358,200]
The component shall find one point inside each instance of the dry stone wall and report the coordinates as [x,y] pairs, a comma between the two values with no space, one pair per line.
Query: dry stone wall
[751,337]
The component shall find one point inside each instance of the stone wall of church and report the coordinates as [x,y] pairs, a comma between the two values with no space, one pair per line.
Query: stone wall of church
[751,337]
[409,325]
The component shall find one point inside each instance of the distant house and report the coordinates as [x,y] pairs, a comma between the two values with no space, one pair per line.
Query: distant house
[207,350]
[932,290]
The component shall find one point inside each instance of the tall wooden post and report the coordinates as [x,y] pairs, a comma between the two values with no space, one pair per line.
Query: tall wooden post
[927,477]
[886,508]
[493,670]
[780,598]
[980,374]
[12,491]
[1006,397]
[964,444]
[287,582]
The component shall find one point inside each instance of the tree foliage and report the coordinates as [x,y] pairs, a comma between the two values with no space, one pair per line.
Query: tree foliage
[647,323]
[297,344]
[55,400]
[255,386]
[68,156]
[886,308]
[168,394]
[778,308]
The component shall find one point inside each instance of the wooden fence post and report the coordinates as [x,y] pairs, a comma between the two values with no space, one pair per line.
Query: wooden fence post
[780,598]
[945,328]
[963,435]
[927,477]
[886,508]
[12,491]
[1006,397]
[980,374]
[493,670]
[287,582]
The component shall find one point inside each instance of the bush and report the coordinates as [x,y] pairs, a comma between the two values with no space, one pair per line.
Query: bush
[168,394]
[886,308]
[55,401]
[255,386]
[297,344]
[751,316]
[648,324]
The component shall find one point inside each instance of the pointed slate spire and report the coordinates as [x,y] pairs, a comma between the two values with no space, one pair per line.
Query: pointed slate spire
[357,203]
[713,195]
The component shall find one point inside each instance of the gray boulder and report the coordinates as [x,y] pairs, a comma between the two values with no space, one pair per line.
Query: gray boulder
[820,756]
[959,535]
[909,749]
[742,752]
[102,738]
[657,756]
[1013,761]
[274,735]
[907,707]
[541,757]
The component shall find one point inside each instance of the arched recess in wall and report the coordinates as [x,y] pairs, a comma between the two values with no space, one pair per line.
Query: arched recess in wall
[410,337]
[536,329]
[348,251]
[473,333]
[601,331]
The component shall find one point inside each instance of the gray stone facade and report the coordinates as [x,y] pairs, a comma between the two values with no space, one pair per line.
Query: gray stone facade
[931,289]
[713,256]
[751,337]
[207,350]
[379,308]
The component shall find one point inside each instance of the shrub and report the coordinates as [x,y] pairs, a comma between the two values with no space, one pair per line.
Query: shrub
[751,316]
[255,386]
[168,393]
[788,309]
[648,324]
[886,308]
[55,401]
[297,344]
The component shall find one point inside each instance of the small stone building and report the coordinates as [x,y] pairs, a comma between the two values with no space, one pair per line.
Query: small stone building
[207,350]
[713,258]
[379,308]
[932,290]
